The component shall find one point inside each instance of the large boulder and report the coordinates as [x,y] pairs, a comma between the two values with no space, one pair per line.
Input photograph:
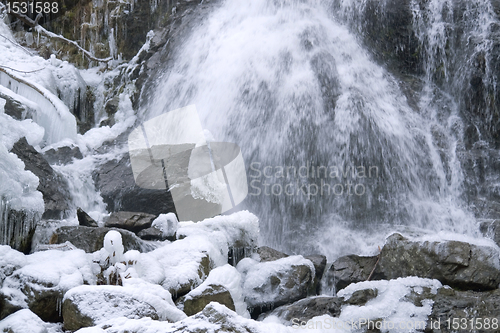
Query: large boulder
[89,305]
[193,303]
[306,309]
[132,221]
[348,269]
[90,239]
[115,181]
[457,307]
[270,284]
[458,264]
[54,187]
[39,281]
[23,321]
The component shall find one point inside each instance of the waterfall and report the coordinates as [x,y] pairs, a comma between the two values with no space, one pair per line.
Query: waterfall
[336,156]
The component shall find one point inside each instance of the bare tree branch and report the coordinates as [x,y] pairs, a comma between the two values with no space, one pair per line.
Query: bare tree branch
[38,28]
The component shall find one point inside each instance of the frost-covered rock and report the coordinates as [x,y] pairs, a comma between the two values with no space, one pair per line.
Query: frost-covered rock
[213,319]
[179,266]
[23,321]
[21,204]
[167,224]
[38,281]
[91,239]
[90,305]
[270,284]
[458,264]
[192,304]
[210,290]
[54,187]
[132,221]
[235,233]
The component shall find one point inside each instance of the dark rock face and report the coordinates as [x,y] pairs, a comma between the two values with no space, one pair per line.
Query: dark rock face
[449,304]
[119,191]
[387,30]
[90,239]
[53,186]
[213,293]
[131,221]
[308,308]
[62,155]
[84,219]
[319,262]
[491,229]
[460,265]
[349,269]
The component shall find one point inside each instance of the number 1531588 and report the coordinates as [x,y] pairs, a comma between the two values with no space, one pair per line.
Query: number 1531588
[32,7]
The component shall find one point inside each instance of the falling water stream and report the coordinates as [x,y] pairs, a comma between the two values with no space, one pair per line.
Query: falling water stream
[336,158]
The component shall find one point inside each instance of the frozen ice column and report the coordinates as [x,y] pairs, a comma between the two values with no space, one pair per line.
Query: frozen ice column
[171,152]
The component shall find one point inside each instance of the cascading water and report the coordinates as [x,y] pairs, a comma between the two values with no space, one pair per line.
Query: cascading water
[335,155]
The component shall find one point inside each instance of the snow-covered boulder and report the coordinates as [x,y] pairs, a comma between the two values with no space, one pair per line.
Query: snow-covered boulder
[55,190]
[270,284]
[90,305]
[223,285]
[192,304]
[39,281]
[236,234]
[214,318]
[23,321]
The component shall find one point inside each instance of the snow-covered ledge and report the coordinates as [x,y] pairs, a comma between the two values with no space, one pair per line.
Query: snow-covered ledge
[53,115]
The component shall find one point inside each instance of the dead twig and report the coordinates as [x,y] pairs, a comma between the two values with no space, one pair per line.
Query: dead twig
[375,266]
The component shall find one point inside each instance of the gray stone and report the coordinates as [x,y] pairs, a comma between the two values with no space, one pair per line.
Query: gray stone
[192,304]
[153,234]
[491,229]
[349,269]
[132,221]
[88,306]
[284,281]
[84,219]
[62,155]
[458,264]
[268,254]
